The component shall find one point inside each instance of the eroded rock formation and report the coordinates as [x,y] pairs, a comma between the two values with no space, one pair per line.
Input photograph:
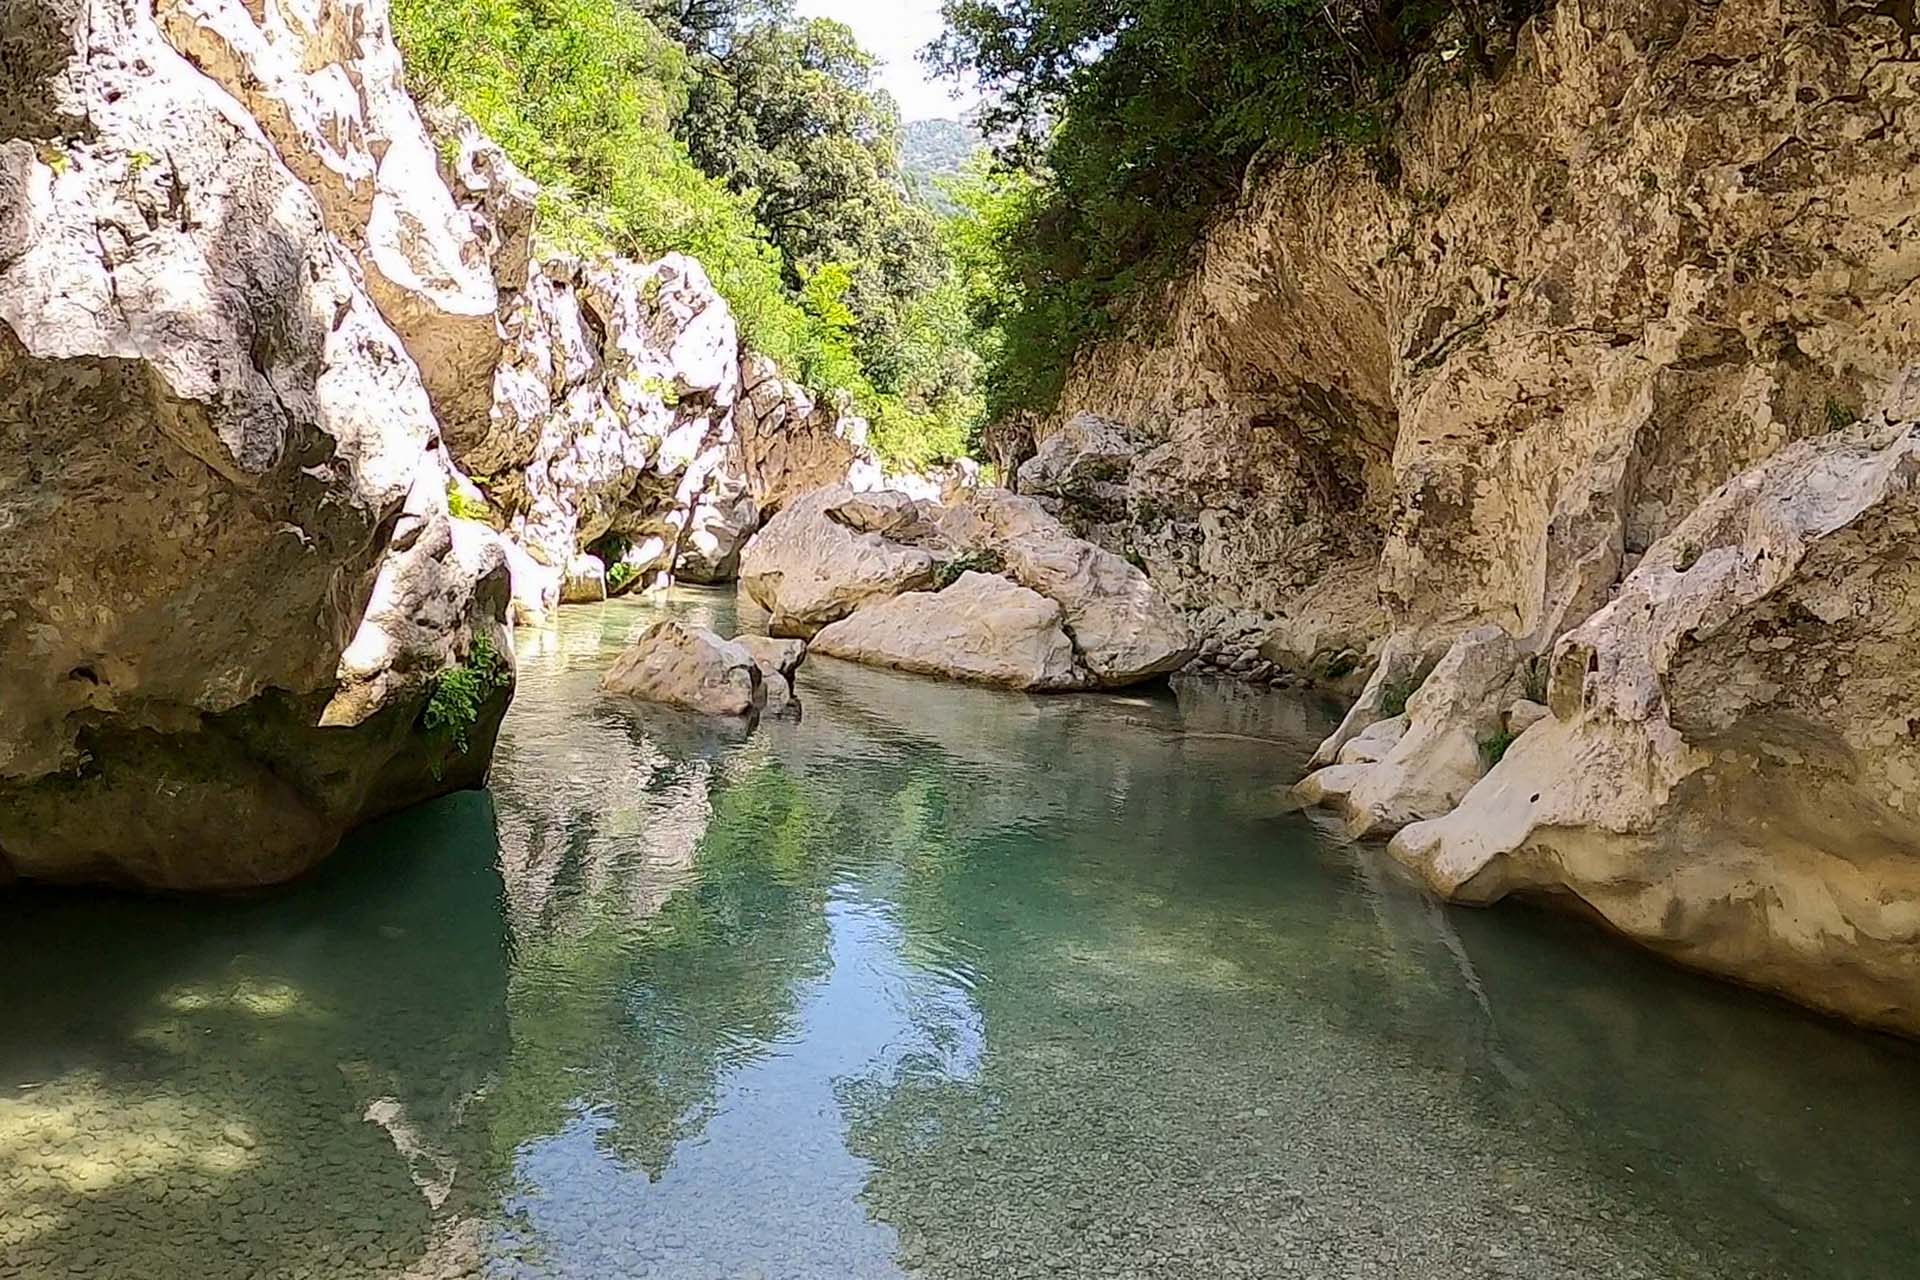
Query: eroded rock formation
[685,666]
[293,405]
[1567,399]
[229,582]
[986,587]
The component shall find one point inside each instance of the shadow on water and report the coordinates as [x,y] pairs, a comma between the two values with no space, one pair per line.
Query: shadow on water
[250,1088]
[938,982]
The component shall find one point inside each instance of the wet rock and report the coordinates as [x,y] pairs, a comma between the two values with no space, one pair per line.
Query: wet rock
[983,628]
[774,656]
[675,663]
[809,570]
[1441,753]
[1717,798]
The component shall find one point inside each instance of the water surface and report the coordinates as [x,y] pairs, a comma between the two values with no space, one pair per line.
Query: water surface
[936,982]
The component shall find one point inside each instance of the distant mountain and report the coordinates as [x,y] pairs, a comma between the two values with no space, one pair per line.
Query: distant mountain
[934,149]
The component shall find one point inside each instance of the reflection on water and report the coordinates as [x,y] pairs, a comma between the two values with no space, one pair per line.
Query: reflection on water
[936,982]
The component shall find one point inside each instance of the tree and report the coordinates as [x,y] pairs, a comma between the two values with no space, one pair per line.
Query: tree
[790,117]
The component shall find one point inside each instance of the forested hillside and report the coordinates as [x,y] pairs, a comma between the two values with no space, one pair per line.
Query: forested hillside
[935,154]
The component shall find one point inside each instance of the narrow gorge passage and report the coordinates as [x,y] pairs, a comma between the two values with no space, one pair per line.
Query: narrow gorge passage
[936,982]
[1281,642]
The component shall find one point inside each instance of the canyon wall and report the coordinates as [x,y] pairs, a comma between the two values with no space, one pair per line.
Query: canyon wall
[297,417]
[229,582]
[1594,390]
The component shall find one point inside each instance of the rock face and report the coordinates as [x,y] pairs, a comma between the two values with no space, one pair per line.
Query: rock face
[1729,773]
[687,667]
[325,83]
[983,628]
[1493,381]
[1123,628]
[810,566]
[1596,343]
[835,553]
[229,583]
[779,662]
[1435,759]
[789,443]
[782,658]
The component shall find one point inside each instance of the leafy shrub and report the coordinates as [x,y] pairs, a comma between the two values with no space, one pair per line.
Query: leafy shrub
[460,692]
[661,389]
[1495,748]
[1537,675]
[1394,695]
[1129,125]
[984,560]
[461,507]
[619,574]
[587,95]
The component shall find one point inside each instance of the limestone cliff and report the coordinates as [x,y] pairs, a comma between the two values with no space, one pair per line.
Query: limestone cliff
[229,582]
[293,407]
[1606,312]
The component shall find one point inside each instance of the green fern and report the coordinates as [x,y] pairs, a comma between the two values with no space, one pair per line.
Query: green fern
[461,507]
[459,693]
[1394,695]
[1495,748]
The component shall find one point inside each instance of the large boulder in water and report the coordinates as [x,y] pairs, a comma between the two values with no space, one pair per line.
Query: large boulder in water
[982,628]
[813,565]
[229,586]
[835,553]
[688,667]
[1124,630]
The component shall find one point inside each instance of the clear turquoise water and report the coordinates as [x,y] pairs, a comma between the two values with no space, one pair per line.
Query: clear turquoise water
[936,982]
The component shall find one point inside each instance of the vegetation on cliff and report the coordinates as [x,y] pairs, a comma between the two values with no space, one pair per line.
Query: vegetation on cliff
[1125,126]
[749,138]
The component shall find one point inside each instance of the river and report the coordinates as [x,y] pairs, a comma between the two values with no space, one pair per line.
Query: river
[934,982]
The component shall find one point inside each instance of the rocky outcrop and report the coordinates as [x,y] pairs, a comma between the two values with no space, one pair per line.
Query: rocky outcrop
[591,400]
[836,554]
[1124,630]
[790,442]
[230,585]
[982,628]
[1729,770]
[325,83]
[674,663]
[1581,366]
[813,564]
[1424,768]
[779,662]
[1667,241]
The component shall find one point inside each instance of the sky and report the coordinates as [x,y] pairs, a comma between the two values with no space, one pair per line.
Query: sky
[896,31]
